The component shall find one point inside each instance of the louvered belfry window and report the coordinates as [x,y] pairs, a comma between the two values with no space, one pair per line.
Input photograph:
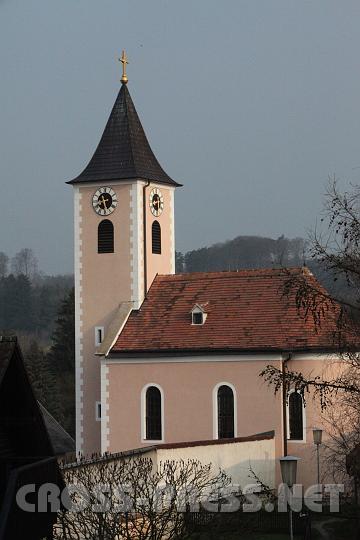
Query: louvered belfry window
[153,414]
[156,238]
[106,237]
[295,416]
[225,400]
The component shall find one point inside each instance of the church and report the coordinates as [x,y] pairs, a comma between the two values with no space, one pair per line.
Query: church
[172,358]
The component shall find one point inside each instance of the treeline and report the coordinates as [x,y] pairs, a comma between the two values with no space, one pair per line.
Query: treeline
[29,300]
[31,307]
[40,309]
[260,252]
[244,252]
[52,370]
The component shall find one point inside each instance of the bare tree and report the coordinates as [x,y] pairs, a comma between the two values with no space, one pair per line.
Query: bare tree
[337,250]
[131,498]
[339,253]
[25,262]
[4,262]
[341,421]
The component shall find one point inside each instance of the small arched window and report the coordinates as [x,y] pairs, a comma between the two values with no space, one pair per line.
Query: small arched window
[156,237]
[153,414]
[225,409]
[106,237]
[296,416]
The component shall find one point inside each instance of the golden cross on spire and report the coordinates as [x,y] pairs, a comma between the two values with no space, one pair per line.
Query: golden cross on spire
[124,61]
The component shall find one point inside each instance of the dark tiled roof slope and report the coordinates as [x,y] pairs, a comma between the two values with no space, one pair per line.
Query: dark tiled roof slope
[123,152]
[246,311]
[61,441]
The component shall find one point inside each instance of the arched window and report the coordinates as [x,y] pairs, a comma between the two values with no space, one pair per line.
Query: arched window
[225,412]
[153,414]
[156,237]
[106,237]
[296,416]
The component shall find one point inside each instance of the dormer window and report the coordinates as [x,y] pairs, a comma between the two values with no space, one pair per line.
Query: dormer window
[198,315]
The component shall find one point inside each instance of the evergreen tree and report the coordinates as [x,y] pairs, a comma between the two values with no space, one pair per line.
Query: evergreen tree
[43,305]
[62,351]
[16,303]
[61,357]
[4,262]
[179,262]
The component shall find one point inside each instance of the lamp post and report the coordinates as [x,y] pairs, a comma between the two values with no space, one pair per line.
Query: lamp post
[317,436]
[288,466]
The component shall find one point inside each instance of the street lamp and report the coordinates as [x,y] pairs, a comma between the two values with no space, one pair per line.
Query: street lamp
[317,436]
[288,466]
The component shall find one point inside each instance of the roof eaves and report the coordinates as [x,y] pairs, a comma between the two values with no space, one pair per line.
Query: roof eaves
[130,353]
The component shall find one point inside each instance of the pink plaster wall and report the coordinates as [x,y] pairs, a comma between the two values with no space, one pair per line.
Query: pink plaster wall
[188,399]
[188,403]
[160,264]
[101,274]
[106,279]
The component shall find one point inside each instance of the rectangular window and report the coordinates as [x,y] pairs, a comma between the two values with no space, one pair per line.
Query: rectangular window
[99,335]
[98,411]
[197,317]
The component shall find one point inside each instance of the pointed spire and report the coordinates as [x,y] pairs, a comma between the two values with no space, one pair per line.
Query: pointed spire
[123,152]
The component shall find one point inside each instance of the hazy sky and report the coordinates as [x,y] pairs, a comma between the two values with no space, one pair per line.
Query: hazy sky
[249,103]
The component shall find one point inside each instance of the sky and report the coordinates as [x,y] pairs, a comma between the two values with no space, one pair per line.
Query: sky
[251,104]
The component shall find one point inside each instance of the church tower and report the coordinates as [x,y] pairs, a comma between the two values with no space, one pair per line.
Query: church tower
[124,236]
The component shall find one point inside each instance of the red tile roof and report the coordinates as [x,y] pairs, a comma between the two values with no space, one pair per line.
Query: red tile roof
[246,311]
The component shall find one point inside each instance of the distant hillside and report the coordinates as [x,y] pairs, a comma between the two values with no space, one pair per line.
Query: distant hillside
[244,252]
[259,252]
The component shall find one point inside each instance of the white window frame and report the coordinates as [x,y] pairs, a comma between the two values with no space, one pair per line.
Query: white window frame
[216,412]
[99,329]
[296,441]
[143,415]
[97,406]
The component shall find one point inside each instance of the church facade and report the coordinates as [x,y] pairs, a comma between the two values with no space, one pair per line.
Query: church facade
[164,358]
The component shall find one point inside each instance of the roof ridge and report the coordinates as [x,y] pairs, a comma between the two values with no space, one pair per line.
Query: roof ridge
[124,86]
[256,272]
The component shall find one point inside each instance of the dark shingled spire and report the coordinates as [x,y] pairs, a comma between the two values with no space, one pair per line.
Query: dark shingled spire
[123,152]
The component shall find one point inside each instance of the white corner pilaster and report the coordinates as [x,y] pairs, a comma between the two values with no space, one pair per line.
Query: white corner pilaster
[172,231]
[105,429]
[137,244]
[79,368]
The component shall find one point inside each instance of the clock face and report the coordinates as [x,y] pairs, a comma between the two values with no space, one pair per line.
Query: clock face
[104,201]
[156,202]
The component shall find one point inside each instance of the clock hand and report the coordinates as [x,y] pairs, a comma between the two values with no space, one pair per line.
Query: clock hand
[103,200]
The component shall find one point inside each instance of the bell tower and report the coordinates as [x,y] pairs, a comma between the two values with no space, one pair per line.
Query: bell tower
[123,237]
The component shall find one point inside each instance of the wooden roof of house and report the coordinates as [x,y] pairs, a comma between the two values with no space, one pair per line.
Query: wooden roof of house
[25,415]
